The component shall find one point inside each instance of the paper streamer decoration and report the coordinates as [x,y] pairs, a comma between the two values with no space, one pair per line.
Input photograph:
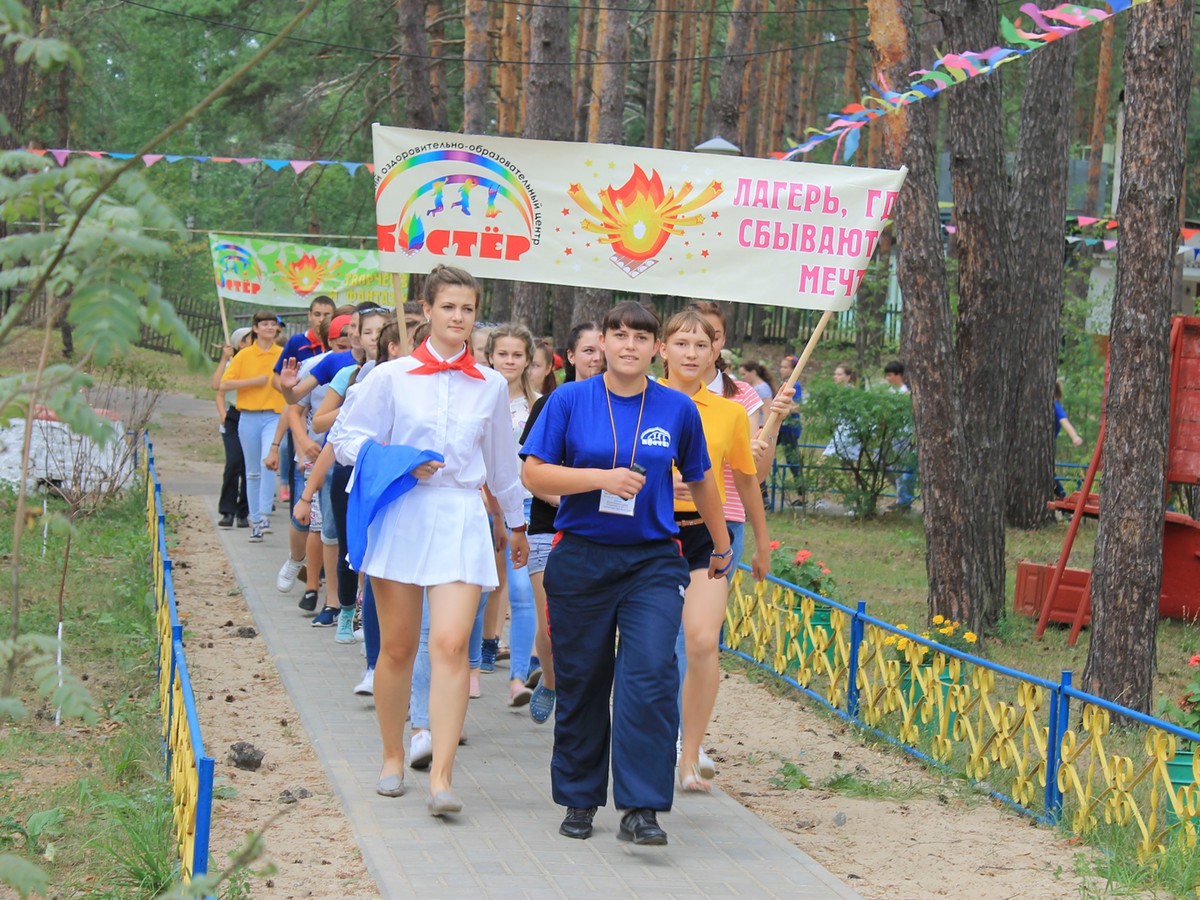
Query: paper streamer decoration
[276,165]
[954,68]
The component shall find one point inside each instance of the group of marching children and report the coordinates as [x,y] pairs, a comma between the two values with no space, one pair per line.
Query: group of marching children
[462,477]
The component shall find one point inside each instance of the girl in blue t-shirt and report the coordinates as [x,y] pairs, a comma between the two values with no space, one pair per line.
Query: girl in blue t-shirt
[616,564]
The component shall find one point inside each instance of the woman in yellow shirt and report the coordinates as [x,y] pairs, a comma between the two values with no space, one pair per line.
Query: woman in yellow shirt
[259,406]
[687,351]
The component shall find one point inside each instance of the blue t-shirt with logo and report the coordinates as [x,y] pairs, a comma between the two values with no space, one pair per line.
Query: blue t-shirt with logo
[300,347]
[574,430]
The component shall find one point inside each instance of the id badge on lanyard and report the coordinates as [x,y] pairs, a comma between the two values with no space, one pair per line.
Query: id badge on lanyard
[610,503]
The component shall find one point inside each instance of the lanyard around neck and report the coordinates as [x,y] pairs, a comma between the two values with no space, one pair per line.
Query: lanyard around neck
[612,421]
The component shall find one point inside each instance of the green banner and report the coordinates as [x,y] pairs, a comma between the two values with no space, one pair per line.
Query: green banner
[275,273]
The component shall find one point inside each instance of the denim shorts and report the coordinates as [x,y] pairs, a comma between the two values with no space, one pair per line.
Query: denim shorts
[316,512]
[539,552]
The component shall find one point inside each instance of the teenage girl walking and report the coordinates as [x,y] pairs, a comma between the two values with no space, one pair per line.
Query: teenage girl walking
[687,350]
[509,352]
[259,406]
[617,566]
[436,537]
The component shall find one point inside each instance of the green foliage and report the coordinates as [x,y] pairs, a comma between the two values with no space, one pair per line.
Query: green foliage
[35,654]
[22,876]
[871,441]
[137,848]
[791,777]
[802,569]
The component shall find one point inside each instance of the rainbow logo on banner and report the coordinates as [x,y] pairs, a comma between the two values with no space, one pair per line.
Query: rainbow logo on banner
[238,268]
[461,184]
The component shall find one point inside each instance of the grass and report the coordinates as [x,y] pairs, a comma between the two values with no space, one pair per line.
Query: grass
[882,561]
[89,803]
[23,348]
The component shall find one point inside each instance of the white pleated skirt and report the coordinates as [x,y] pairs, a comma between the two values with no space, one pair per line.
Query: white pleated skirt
[433,535]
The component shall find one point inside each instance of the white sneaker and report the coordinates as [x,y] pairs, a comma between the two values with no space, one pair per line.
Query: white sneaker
[366,687]
[420,750]
[360,635]
[286,579]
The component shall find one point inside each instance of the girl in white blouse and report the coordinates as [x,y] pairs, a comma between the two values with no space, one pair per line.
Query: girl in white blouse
[435,537]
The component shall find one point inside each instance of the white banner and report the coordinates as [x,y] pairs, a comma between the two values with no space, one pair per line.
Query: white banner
[629,218]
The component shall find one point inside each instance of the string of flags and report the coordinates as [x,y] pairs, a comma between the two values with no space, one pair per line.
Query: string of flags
[954,68]
[61,156]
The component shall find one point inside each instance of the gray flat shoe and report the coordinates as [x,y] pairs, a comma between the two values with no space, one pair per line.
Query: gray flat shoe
[390,786]
[443,802]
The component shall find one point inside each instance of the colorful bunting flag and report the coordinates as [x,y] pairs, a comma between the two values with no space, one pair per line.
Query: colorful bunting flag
[954,68]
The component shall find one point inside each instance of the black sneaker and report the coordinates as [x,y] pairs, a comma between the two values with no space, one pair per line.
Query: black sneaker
[309,601]
[243,522]
[225,522]
[578,823]
[326,618]
[641,827]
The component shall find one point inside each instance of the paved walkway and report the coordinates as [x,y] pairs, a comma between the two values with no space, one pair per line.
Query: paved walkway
[506,842]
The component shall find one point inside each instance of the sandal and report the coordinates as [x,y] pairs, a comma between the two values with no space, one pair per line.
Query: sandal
[691,782]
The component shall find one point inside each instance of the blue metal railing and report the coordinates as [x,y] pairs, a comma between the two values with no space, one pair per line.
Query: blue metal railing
[1060,693]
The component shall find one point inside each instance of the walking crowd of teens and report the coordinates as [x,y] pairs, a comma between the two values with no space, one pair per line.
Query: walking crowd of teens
[439,492]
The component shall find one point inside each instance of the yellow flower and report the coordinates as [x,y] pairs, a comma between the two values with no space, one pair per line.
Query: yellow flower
[970,637]
[948,630]
[902,627]
[939,620]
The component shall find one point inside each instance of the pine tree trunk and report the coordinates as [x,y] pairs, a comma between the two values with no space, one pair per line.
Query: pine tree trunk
[585,70]
[548,116]
[591,303]
[507,104]
[410,22]
[750,68]
[975,127]
[664,22]
[435,28]
[476,47]
[724,114]
[1038,227]
[1099,117]
[704,100]
[931,365]
[681,120]
[1127,575]
[850,73]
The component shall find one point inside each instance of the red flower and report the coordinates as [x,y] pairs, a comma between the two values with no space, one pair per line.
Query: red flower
[774,545]
[1195,660]
[824,571]
[802,557]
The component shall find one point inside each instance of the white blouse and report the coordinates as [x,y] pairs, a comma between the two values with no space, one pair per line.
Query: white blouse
[463,418]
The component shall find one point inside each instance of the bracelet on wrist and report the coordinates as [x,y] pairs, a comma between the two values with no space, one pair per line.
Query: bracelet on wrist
[304,499]
[273,446]
[519,529]
[726,555]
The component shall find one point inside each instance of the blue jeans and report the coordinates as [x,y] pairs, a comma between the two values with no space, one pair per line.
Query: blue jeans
[523,617]
[256,429]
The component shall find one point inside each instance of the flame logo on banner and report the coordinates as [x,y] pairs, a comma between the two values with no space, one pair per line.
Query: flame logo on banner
[306,273]
[639,217]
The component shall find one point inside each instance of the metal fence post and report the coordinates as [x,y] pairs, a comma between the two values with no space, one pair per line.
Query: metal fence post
[856,636]
[1053,796]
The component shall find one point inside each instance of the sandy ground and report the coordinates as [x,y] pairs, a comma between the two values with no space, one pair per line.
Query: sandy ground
[925,837]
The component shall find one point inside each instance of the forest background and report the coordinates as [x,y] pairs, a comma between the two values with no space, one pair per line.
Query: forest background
[983,325]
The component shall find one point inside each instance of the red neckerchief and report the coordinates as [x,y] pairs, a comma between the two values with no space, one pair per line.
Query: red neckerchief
[431,364]
[314,341]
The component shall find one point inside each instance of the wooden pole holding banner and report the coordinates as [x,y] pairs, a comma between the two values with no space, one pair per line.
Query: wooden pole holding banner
[224,317]
[773,418]
[400,299]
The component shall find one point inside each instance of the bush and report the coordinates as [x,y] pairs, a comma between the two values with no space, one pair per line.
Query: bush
[871,444]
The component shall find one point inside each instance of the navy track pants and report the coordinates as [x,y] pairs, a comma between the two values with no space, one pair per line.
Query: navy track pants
[595,590]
